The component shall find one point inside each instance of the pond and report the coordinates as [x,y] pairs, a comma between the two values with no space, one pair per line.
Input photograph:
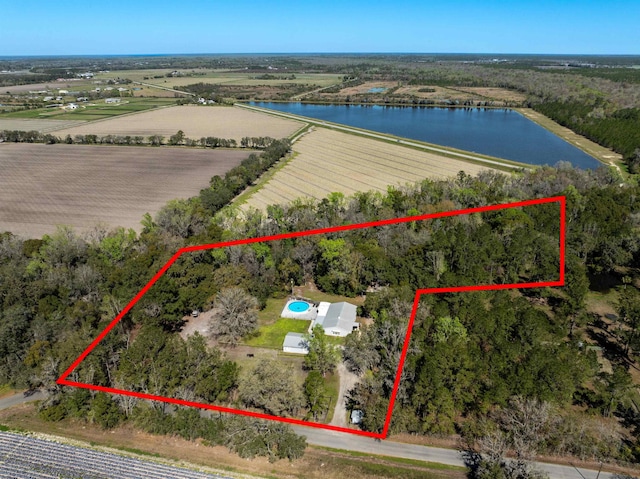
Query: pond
[502,133]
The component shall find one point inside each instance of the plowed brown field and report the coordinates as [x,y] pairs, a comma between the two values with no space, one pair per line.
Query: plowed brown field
[194,121]
[42,186]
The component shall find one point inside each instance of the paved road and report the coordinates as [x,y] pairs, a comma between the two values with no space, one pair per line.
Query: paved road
[350,442]
[159,87]
[385,137]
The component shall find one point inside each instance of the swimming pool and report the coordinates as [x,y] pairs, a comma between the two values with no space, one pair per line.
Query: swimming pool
[298,306]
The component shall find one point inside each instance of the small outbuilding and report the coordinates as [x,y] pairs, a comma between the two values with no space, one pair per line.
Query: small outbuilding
[295,343]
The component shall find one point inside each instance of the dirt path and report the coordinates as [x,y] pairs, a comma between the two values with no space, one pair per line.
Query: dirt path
[151,85]
[199,324]
[347,381]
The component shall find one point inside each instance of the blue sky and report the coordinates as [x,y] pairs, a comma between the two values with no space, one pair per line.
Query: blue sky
[35,27]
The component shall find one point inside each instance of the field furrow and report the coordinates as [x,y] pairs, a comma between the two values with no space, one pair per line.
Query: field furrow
[42,186]
[195,121]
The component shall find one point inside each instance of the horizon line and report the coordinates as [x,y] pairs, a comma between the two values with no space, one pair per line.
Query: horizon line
[311,53]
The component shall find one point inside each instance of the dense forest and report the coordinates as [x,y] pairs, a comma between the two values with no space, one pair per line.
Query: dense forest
[474,359]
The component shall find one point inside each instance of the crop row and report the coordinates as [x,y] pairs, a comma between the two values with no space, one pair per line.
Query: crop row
[330,161]
[194,121]
[26,457]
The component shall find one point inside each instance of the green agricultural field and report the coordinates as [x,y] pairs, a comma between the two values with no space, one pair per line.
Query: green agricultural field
[271,336]
[96,110]
[30,114]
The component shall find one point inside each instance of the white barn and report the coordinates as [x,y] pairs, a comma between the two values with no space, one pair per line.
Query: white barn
[295,343]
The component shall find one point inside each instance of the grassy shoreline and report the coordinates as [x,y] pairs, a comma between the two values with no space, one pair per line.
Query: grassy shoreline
[604,155]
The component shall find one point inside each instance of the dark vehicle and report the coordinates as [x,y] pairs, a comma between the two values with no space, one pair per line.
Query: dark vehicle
[29,392]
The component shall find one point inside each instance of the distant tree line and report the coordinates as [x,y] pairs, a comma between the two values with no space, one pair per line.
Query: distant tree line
[178,139]
[26,78]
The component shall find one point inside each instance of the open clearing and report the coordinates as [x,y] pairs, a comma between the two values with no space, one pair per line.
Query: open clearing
[365,88]
[495,93]
[194,121]
[330,161]
[436,93]
[46,185]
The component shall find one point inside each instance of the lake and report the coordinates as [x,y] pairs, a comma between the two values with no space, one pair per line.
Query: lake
[496,132]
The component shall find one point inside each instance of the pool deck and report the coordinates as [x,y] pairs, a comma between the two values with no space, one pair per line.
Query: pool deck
[308,315]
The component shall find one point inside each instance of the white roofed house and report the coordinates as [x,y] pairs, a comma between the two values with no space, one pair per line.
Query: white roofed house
[337,319]
[295,343]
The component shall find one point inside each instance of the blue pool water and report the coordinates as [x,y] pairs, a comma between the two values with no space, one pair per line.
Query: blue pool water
[298,306]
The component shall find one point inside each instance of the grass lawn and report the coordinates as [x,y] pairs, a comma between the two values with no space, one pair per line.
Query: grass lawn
[602,303]
[332,383]
[271,313]
[6,390]
[335,340]
[398,460]
[272,335]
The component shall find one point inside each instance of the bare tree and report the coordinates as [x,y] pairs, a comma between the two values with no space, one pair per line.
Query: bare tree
[235,315]
[526,421]
[522,426]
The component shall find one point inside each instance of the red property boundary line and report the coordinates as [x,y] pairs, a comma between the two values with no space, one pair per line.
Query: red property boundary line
[62,380]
